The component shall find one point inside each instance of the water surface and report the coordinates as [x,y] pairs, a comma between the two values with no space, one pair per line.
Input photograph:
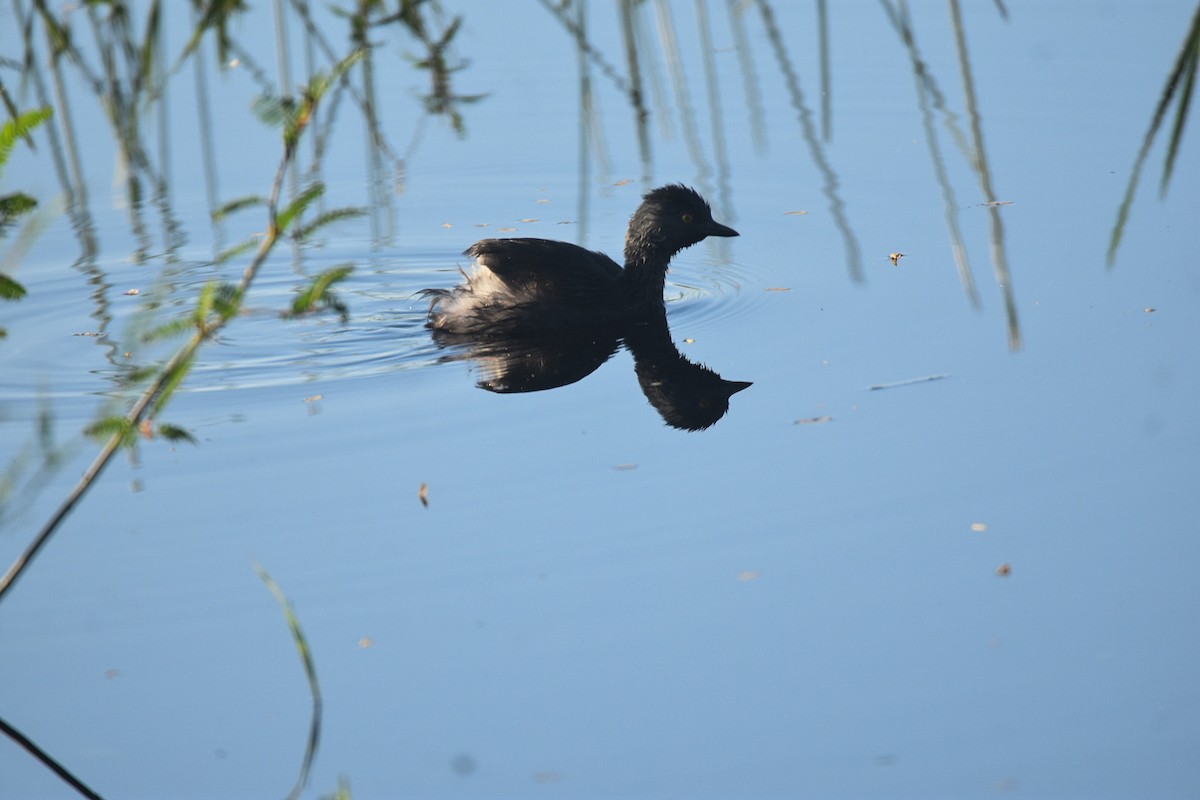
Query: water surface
[958,587]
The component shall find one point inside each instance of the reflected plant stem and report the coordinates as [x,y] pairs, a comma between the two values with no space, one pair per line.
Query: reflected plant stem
[378,184]
[998,251]
[77,182]
[172,236]
[1189,60]
[607,69]
[636,95]
[41,755]
[595,132]
[68,169]
[14,112]
[927,89]
[310,671]
[366,105]
[374,164]
[1185,69]
[324,128]
[826,78]
[687,114]
[644,43]
[741,43]
[585,125]
[283,54]
[837,207]
[49,457]
[207,150]
[631,88]
[123,116]
[119,101]
[75,196]
[73,182]
[720,150]
[59,39]
[86,263]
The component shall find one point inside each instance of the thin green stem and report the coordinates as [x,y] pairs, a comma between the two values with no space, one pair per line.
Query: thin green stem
[206,329]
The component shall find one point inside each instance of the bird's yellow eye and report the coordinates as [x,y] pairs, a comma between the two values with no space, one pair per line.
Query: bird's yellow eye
[687,218]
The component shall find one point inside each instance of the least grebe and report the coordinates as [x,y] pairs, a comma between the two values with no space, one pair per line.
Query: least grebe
[530,285]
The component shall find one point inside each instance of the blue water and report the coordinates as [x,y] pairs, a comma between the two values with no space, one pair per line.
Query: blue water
[806,599]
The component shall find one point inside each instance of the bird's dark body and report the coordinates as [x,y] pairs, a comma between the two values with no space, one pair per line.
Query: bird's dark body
[536,285]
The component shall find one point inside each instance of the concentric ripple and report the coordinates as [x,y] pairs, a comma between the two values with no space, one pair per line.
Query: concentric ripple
[711,292]
[77,335]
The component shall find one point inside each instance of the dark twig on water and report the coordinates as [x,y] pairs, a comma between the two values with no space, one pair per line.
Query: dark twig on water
[41,755]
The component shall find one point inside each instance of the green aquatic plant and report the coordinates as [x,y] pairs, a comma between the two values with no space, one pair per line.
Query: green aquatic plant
[16,205]
[217,304]
[318,295]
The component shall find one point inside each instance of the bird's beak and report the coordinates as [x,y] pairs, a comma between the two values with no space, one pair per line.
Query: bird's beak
[717,229]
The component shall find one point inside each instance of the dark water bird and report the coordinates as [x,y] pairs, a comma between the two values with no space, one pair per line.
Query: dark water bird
[530,286]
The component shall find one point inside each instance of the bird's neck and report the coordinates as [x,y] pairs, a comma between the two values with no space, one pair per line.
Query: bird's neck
[645,274]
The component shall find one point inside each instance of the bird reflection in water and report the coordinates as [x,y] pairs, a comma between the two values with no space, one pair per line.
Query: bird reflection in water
[687,395]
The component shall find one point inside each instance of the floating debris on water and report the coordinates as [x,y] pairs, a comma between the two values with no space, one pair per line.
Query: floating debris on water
[908,382]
